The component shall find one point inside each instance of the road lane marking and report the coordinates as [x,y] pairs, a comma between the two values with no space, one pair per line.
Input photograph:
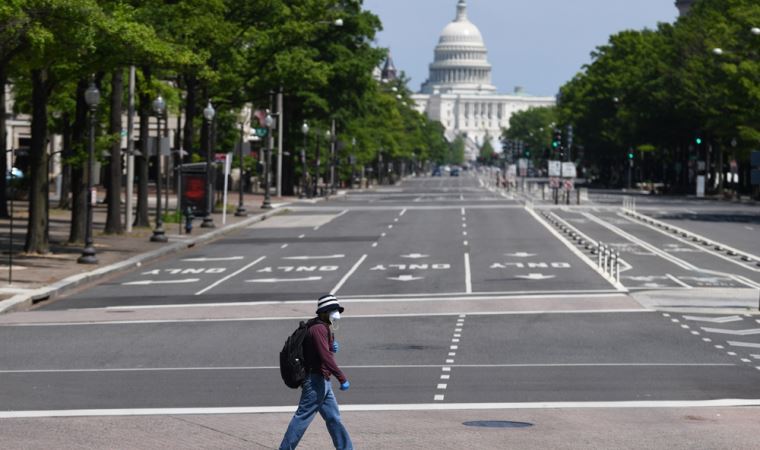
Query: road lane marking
[403,211]
[726,319]
[576,252]
[665,255]
[284,246]
[230,276]
[288,409]
[151,282]
[743,344]
[307,258]
[697,246]
[348,275]
[283,280]
[467,274]
[444,368]
[687,286]
[749,332]
[229,258]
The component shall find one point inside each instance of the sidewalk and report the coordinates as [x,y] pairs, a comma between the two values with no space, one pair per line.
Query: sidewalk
[39,277]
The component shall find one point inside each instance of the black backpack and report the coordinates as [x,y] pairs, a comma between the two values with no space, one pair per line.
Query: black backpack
[292,363]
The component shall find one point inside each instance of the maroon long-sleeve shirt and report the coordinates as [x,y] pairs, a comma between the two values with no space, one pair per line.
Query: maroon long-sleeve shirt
[317,345]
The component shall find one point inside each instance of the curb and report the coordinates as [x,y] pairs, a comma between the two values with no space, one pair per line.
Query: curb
[20,302]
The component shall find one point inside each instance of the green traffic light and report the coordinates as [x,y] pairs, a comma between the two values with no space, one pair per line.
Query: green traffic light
[630,155]
[699,141]
[555,144]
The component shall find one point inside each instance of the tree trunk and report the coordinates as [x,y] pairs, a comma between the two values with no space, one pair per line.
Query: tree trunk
[64,202]
[190,112]
[78,185]
[3,146]
[141,215]
[114,224]
[38,226]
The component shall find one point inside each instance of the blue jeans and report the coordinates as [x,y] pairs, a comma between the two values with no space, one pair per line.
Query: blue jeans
[316,396]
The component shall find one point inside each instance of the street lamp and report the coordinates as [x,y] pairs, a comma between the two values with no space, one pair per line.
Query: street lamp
[92,98]
[269,122]
[244,115]
[159,107]
[305,131]
[208,221]
[331,138]
[755,31]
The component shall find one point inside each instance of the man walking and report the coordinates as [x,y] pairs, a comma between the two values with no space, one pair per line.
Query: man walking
[316,392]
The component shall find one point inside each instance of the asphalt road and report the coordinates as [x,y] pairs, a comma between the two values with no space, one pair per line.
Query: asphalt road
[439,242]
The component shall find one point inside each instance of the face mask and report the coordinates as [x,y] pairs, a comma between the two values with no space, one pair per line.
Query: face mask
[335,319]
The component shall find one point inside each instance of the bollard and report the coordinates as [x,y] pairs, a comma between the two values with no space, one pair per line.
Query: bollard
[617,269]
[188,220]
[599,254]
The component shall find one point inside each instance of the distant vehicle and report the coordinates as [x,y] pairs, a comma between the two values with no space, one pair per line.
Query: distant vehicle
[454,171]
[437,172]
[14,173]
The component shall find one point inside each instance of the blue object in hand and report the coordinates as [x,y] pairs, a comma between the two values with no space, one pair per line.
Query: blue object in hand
[345,385]
[335,347]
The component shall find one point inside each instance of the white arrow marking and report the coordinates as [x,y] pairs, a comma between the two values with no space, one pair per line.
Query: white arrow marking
[726,319]
[282,280]
[535,276]
[415,256]
[306,258]
[406,278]
[748,332]
[148,282]
[230,258]
[521,255]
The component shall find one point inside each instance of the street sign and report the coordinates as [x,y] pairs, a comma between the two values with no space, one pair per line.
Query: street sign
[261,132]
[555,168]
[568,170]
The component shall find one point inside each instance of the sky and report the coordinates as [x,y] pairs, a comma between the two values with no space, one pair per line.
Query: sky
[536,44]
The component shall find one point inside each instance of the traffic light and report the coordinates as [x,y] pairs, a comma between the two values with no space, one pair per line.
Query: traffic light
[556,138]
[630,154]
[698,140]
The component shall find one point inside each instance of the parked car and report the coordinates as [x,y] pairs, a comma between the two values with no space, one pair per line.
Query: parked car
[437,171]
[454,172]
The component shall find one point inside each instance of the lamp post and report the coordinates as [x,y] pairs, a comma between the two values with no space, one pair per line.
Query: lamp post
[315,192]
[330,137]
[159,106]
[269,122]
[305,131]
[208,221]
[244,115]
[92,98]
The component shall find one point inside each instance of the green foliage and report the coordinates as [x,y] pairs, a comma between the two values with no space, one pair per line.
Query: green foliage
[661,88]
[533,127]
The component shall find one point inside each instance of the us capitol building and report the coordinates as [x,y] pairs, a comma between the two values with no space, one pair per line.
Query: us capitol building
[459,93]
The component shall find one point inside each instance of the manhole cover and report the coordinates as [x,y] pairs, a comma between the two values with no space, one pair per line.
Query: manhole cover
[497,424]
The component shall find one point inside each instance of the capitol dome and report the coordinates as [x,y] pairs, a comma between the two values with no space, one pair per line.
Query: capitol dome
[460,62]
